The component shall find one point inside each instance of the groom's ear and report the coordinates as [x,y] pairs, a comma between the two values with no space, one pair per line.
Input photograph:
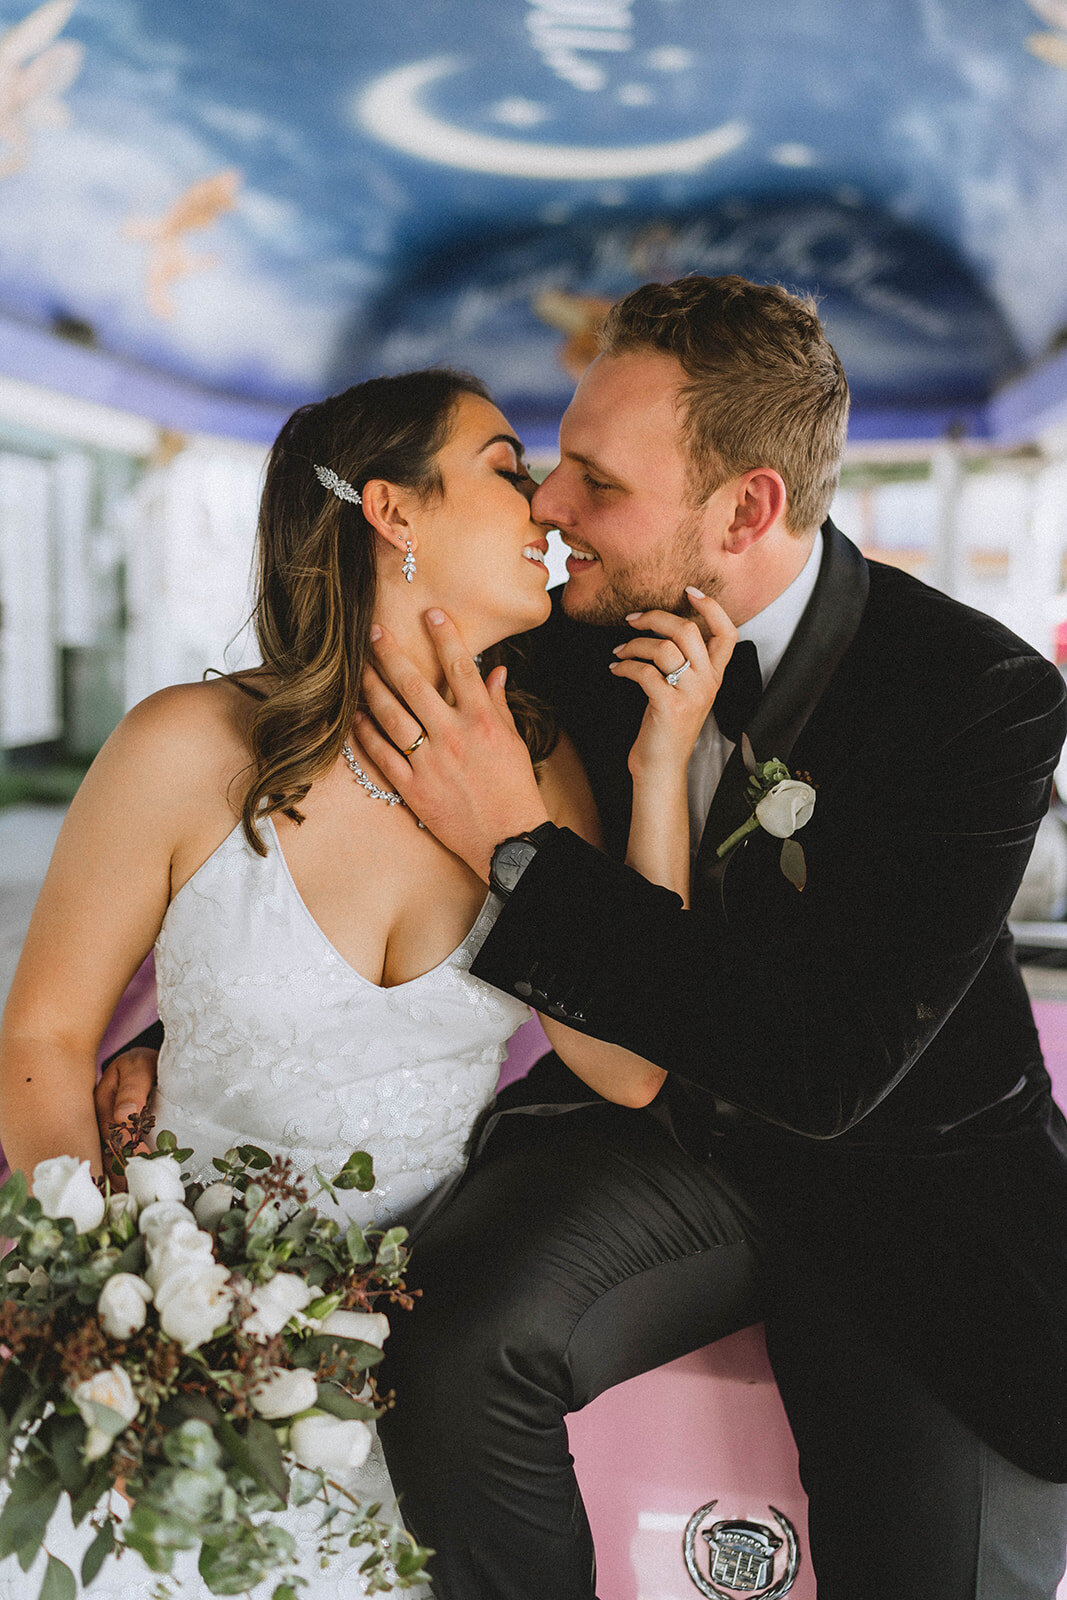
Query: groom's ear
[759,503]
[387,507]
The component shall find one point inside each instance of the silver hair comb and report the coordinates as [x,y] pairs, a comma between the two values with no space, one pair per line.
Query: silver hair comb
[338,486]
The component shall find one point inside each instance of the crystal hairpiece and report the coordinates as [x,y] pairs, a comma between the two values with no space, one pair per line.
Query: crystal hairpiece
[342,489]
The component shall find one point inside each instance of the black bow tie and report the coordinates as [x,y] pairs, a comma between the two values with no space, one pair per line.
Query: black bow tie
[740,691]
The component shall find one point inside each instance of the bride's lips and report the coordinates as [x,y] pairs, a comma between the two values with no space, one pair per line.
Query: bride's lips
[535,551]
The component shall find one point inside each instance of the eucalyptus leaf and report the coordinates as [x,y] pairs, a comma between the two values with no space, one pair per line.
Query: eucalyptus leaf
[98,1552]
[357,1172]
[793,864]
[59,1582]
[340,1404]
[257,1453]
[35,1492]
[254,1157]
[359,1250]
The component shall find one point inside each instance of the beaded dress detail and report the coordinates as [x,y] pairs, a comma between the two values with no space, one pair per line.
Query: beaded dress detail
[272,1038]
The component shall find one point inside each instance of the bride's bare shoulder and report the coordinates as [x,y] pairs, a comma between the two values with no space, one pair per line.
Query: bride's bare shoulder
[191,733]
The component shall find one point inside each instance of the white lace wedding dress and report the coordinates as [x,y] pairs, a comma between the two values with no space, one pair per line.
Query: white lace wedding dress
[273,1039]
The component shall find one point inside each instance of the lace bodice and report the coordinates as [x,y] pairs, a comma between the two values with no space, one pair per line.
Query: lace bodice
[273,1038]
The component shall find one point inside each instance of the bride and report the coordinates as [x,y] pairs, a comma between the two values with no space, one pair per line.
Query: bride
[312,940]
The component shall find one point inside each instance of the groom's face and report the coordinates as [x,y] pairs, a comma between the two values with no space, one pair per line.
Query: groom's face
[619,496]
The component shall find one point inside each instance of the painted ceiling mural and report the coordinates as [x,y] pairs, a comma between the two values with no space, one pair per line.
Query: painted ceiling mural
[243,205]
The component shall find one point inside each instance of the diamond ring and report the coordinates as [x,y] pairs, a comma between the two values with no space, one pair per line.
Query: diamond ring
[672,677]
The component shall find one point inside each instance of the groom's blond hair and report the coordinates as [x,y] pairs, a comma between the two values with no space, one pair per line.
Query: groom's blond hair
[764,385]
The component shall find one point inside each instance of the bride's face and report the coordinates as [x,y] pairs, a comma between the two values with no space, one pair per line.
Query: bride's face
[479,554]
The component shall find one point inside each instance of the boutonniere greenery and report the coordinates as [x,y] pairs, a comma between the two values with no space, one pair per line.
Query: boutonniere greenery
[781,804]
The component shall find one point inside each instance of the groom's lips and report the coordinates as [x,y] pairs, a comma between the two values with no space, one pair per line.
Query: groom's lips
[581,561]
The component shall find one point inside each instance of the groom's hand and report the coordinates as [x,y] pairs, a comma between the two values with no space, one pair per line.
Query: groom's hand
[470,780]
[125,1086]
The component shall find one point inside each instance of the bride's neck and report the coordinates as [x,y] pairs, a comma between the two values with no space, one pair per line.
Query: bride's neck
[406,621]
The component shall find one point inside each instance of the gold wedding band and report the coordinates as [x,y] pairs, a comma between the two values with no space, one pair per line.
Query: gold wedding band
[414,746]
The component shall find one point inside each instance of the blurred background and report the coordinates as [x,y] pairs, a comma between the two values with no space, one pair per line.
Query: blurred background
[213,212]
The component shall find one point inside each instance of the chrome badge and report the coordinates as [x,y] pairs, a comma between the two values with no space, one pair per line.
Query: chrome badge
[741,1556]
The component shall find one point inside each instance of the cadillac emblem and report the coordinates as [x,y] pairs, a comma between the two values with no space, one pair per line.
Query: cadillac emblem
[741,1556]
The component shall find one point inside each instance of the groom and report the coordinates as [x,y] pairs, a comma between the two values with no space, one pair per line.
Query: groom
[856,1140]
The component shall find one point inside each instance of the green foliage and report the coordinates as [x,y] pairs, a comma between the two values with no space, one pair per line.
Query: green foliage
[58,1582]
[98,1552]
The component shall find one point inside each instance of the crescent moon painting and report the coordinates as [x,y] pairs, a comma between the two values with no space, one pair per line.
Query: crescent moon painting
[392,110]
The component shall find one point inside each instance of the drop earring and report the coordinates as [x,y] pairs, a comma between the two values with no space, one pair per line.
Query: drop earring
[408,569]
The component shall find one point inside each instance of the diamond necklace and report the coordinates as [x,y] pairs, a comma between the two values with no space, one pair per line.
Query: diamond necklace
[376,792]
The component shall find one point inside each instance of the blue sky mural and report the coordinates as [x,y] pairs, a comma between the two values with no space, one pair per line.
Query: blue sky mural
[268,201]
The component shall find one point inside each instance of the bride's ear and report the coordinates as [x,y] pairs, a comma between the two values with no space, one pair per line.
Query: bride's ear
[386,507]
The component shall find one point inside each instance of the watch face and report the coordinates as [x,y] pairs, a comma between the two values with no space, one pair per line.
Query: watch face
[510,861]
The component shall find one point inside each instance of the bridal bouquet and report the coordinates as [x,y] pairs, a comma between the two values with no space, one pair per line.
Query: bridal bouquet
[207,1350]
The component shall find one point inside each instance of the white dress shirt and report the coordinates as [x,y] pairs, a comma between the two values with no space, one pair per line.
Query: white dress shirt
[770,631]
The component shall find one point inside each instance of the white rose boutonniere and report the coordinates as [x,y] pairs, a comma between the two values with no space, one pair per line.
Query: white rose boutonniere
[781,804]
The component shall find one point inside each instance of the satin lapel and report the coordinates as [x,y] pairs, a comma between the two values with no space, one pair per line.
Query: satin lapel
[823,634]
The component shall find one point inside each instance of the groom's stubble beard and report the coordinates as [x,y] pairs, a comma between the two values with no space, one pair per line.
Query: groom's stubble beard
[656,583]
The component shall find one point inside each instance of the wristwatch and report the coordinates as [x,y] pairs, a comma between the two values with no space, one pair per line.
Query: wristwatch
[512,856]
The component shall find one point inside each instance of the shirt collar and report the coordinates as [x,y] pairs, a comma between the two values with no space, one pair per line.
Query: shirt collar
[771,629]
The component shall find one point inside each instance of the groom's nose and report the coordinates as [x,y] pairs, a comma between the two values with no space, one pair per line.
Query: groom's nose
[548,505]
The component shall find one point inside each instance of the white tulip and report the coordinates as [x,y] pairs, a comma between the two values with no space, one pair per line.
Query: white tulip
[330,1443]
[275,1302]
[284,1393]
[370,1326]
[148,1180]
[65,1188]
[213,1204]
[113,1392]
[197,1306]
[123,1304]
[786,808]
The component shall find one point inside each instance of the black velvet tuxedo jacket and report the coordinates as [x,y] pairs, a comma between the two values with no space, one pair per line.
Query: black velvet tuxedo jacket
[861,1057]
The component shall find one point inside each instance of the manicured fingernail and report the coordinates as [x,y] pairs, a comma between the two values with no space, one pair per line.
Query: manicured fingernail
[632,616]
[613,666]
[375,633]
[358,717]
[618,650]
[693,590]
[436,617]
[122,1113]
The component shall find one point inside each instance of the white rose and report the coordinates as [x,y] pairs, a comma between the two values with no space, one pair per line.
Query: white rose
[786,808]
[197,1307]
[123,1304]
[65,1188]
[213,1204]
[163,1215]
[119,1206]
[370,1326]
[284,1393]
[106,1403]
[275,1302]
[330,1443]
[178,1253]
[148,1180]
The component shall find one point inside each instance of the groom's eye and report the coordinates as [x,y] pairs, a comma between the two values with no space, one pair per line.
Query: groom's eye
[594,483]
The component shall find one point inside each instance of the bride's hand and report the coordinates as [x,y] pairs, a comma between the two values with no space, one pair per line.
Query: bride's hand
[676,712]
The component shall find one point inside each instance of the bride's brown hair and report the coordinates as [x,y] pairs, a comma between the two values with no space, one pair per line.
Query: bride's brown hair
[317,575]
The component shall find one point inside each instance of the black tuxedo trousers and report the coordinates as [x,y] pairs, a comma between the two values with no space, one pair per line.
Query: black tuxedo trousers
[856,1139]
